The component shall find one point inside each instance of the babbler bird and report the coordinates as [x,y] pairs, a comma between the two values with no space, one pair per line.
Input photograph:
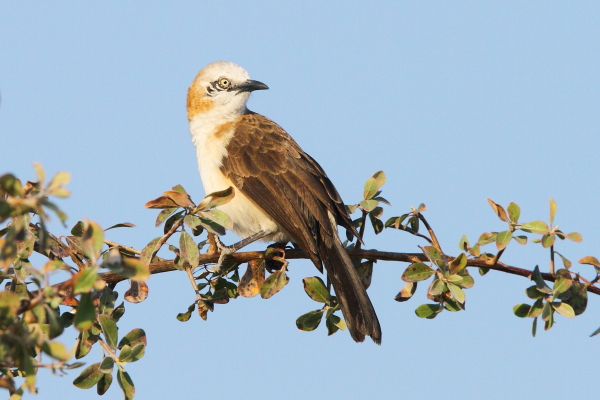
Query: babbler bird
[281,193]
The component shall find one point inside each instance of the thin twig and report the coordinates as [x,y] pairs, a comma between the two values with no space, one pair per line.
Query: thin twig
[435,243]
[361,232]
[126,248]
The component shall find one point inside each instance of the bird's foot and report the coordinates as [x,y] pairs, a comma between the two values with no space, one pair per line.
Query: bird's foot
[228,250]
[274,261]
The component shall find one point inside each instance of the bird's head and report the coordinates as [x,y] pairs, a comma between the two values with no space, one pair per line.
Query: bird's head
[223,87]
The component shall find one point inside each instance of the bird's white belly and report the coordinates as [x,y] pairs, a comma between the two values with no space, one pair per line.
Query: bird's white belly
[246,216]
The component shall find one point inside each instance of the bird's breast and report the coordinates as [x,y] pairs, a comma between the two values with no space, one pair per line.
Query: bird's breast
[211,137]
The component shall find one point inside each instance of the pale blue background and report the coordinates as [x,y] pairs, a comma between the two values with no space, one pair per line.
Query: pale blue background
[455,101]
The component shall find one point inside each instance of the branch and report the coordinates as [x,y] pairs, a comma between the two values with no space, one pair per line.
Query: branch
[167,265]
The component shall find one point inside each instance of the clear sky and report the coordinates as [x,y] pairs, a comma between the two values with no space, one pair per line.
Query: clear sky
[455,101]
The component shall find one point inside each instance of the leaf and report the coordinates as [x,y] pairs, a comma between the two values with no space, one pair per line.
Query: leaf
[463,243]
[534,327]
[539,227]
[77,230]
[563,309]
[181,199]
[427,310]
[591,261]
[503,239]
[536,276]
[522,240]
[368,205]
[219,217]
[536,309]
[121,225]
[163,215]
[365,273]
[546,311]
[134,337]
[85,314]
[104,384]
[486,238]
[137,292]
[126,384]
[107,365]
[184,317]
[597,331]
[575,237]
[109,329]
[216,199]
[254,277]
[548,240]
[86,341]
[521,310]
[533,293]
[457,292]
[161,202]
[499,210]
[39,172]
[11,185]
[373,184]
[376,222]
[92,240]
[315,289]
[189,249]
[56,350]
[88,377]
[309,321]
[578,297]
[552,211]
[514,212]
[273,284]
[432,253]
[84,280]
[565,262]
[417,272]
[406,292]
[563,282]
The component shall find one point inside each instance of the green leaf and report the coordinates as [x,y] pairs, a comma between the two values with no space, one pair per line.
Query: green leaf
[135,336]
[548,240]
[514,212]
[369,205]
[457,292]
[563,282]
[533,293]
[107,365]
[578,297]
[148,250]
[452,305]
[563,309]
[407,292]
[536,309]
[591,261]
[575,237]
[536,276]
[427,310]
[597,331]
[273,284]
[458,264]
[104,384]
[118,312]
[315,289]
[121,225]
[88,377]
[463,243]
[85,314]
[164,215]
[521,310]
[436,288]
[376,222]
[86,341]
[92,240]
[184,317]
[539,227]
[125,354]
[126,384]
[78,229]
[565,262]
[433,254]
[85,280]
[56,350]
[216,199]
[417,272]
[546,311]
[552,210]
[309,321]
[373,184]
[534,327]
[219,217]
[189,250]
[486,238]
[365,273]
[522,239]
[11,185]
[109,328]
[503,239]
[333,323]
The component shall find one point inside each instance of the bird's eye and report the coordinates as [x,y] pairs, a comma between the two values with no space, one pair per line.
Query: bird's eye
[224,83]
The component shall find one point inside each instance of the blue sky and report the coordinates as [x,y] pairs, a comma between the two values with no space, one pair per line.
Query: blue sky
[455,101]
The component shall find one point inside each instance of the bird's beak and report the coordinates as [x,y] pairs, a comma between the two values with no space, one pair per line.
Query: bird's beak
[250,86]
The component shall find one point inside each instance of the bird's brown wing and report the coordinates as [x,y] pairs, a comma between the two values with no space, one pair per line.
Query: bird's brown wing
[269,167]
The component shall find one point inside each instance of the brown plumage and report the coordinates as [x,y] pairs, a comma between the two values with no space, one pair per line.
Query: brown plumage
[268,166]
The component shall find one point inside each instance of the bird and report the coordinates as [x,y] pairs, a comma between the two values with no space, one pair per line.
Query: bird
[281,193]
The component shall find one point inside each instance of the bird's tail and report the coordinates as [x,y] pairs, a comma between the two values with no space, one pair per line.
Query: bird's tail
[355,303]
